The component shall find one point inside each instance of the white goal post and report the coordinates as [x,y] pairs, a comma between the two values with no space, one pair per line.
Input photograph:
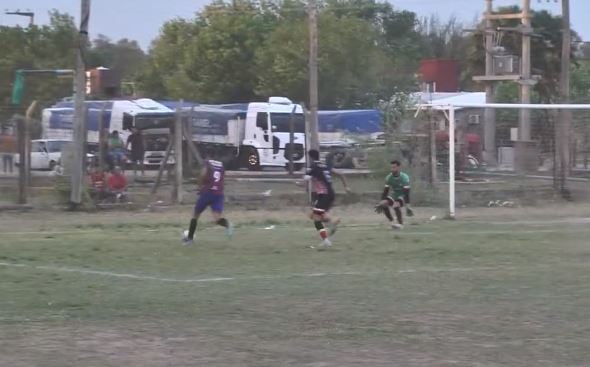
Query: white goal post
[450,109]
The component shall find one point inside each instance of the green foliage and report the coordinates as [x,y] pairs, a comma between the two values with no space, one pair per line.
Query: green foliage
[443,39]
[395,111]
[37,47]
[246,50]
[124,56]
[580,82]
[347,79]
[51,47]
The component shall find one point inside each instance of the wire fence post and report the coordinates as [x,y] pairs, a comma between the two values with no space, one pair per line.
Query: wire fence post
[452,162]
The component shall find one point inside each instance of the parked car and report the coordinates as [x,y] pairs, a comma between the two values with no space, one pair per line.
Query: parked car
[46,153]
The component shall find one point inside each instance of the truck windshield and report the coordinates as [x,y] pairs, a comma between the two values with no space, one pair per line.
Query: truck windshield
[280,122]
[156,142]
[153,121]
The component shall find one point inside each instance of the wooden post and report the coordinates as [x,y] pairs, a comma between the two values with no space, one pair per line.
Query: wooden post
[565,116]
[291,141]
[178,155]
[163,164]
[188,135]
[101,139]
[313,75]
[524,126]
[24,152]
[586,146]
[307,146]
[191,146]
[489,113]
[28,123]
[22,167]
[432,140]
[77,174]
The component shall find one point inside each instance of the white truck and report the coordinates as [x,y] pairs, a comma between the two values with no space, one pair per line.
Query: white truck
[243,136]
[119,115]
[256,137]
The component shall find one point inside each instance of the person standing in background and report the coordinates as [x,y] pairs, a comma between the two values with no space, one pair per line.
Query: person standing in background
[7,151]
[137,143]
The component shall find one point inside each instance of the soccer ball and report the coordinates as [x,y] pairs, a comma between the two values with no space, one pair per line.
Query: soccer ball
[185,235]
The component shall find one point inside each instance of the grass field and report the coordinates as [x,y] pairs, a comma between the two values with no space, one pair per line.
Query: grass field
[500,287]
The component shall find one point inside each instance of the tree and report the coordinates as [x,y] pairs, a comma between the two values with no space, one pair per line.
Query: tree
[444,40]
[163,74]
[347,79]
[220,58]
[247,50]
[210,59]
[38,47]
[124,57]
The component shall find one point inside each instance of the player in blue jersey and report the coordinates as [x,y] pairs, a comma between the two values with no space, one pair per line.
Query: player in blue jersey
[210,196]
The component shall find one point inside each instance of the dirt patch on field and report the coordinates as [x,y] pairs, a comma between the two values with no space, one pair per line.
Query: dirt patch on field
[152,344]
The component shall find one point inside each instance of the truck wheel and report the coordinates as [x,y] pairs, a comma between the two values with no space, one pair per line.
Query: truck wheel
[52,165]
[251,159]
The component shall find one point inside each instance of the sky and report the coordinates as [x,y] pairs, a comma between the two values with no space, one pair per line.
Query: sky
[134,19]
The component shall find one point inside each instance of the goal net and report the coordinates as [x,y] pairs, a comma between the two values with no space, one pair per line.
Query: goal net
[507,154]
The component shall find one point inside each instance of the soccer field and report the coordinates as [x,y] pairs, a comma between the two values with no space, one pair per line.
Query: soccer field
[492,289]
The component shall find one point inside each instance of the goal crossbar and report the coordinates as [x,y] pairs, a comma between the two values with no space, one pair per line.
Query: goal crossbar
[518,106]
[449,109]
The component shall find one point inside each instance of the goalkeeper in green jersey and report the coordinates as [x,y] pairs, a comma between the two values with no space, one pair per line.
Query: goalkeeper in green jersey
[396,195]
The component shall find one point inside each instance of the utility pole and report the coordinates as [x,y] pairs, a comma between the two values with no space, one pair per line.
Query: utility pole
[524,128]
[565,116]
[489,113]
[77,172]
[313,75]
[28,14]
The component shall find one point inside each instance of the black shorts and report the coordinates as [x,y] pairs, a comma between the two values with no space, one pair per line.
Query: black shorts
[137,157]
[392,201]
[323,203]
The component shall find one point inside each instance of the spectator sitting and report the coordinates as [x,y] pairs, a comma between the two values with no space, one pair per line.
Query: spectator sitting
[117,185]
[96,178]
[116,149]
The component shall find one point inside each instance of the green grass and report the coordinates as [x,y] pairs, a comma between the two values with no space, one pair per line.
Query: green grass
[438,294]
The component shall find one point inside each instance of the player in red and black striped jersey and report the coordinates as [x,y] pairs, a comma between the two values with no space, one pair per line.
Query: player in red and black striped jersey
[320,176]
